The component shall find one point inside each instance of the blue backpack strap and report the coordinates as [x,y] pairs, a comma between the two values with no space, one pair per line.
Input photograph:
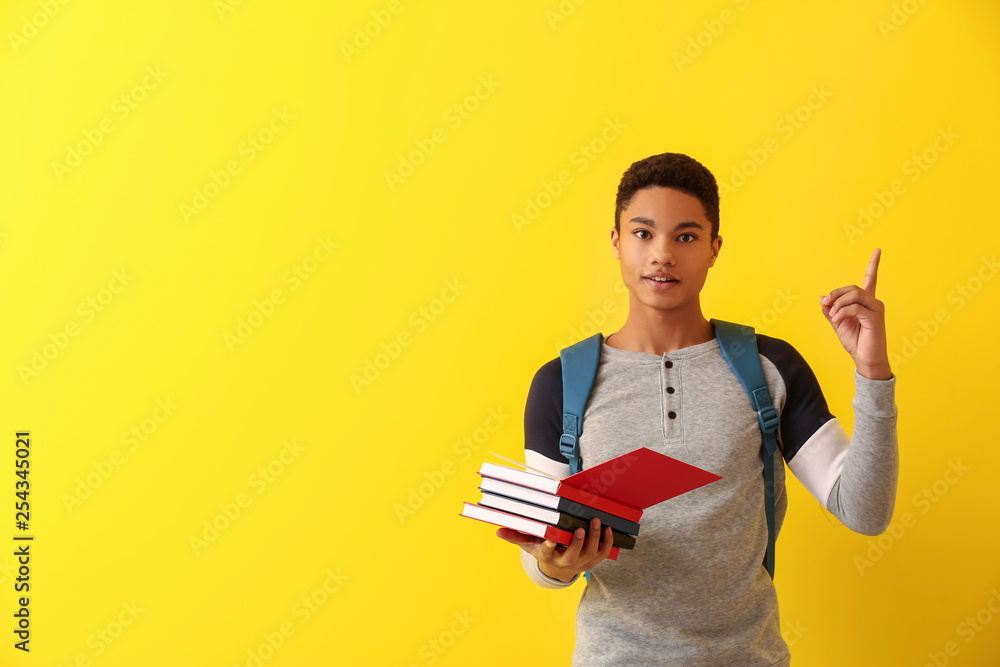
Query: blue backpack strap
[579,369]
[739,347]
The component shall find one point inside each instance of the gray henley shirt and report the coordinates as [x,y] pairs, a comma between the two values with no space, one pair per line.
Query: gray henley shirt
[694,590]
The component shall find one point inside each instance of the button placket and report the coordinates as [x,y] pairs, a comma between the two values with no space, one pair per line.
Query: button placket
[671,402]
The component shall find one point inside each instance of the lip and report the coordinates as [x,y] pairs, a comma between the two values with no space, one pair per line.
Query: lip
[658,285]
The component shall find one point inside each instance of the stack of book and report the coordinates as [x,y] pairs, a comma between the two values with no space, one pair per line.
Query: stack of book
[616,492]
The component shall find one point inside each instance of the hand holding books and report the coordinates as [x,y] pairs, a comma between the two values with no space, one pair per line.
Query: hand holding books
[558,521]
[587,549]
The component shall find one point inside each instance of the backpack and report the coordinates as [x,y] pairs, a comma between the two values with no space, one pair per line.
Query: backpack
[739,348]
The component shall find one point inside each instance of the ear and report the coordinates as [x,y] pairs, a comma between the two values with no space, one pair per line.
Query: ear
[716,246]
[614,242]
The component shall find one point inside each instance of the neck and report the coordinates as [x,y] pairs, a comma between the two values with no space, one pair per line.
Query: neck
[661,331]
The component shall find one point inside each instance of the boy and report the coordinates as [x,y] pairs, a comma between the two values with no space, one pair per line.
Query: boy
[695,591]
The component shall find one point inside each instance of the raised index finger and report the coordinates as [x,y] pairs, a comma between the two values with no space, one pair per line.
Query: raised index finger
[871,274]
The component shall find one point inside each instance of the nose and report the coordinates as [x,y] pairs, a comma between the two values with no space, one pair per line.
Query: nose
[663,253]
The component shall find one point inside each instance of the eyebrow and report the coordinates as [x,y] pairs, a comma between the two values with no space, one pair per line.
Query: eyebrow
[650,223]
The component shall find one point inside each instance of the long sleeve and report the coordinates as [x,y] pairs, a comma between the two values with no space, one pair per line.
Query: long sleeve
[864,495]
[853,477]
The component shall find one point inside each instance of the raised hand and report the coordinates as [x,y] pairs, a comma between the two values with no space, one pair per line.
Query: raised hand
[859,320]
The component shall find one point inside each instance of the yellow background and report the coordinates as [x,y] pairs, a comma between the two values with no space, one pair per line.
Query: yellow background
[361,517]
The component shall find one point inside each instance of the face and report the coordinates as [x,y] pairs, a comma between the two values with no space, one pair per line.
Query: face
[665,248]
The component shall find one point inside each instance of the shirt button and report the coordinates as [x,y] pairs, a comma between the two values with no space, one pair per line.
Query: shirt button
[672,414]
[668,364]
[670,390]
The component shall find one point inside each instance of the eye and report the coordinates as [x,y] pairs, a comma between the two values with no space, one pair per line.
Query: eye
[687,237]
[642,231]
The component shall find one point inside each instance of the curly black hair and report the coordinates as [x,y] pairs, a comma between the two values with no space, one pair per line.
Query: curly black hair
[670,170]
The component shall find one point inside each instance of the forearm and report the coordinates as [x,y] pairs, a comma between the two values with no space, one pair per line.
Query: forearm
[864,496]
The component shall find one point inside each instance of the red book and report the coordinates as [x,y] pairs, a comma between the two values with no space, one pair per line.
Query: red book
[623,486]
[523,525]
